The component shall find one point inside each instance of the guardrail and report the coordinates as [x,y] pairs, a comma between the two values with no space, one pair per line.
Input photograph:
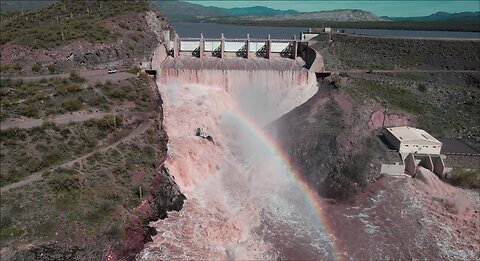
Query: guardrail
[234,39]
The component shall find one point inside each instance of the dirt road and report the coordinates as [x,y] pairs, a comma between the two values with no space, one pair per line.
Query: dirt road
[79,116]
[92,76]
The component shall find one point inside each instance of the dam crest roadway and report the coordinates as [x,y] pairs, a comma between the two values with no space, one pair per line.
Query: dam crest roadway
[238,47]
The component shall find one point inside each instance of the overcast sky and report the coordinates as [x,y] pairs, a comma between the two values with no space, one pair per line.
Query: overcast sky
[378,7]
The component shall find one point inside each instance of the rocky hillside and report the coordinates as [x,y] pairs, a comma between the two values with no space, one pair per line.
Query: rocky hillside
[330,141]
[80,34]
[85,187]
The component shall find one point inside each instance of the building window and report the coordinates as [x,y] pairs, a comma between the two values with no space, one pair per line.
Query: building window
[434,147]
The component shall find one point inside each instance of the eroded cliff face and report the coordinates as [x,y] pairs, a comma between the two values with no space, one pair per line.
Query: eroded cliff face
[164,196]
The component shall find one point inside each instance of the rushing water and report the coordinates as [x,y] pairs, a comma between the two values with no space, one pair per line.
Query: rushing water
[241,201]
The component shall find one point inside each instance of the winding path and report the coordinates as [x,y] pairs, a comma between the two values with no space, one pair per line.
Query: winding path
[80,116]
[92,76]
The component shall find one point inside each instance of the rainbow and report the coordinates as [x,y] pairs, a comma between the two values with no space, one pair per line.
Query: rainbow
[311,196]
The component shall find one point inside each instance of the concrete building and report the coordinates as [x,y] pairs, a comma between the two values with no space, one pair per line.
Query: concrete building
[412,140]
[307,36]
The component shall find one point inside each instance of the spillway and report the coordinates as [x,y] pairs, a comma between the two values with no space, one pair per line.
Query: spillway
[243,199]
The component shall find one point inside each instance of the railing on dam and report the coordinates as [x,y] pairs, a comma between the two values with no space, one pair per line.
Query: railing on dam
[240,47]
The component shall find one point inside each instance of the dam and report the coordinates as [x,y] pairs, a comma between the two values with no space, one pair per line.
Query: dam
[239,47]
[245,200]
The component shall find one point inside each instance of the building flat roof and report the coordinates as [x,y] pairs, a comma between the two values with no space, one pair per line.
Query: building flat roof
[406,133]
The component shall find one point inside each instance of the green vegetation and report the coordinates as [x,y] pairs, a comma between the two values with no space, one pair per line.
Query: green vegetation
[90,199]
[66,21]
[36,67]
[31,150]
[434,111]
[353,174]
[372,53]
[133,90]
[384,93]
[422,87]
[134,70]
[41,98]
[52,68]
[17,67]
[55,96]
[335,115]
[4,68]
[465,178]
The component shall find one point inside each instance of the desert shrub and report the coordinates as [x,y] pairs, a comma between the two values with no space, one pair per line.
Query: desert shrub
[33,165]
[134,70]
[110,122]
[422,87]
[29,110]
[112,193]
[352,176]
[118,92]
[36,97]
[52,68]
[13,134]
[52,157]
[115,232]
[65,133]
[62,179]
[17,67]
[75,77]
[67,88]
[135,38]
[465,178]
[4,68]
[72,104]
[124,26]
[36,67]
[99,101]
[144,78]
[9,177]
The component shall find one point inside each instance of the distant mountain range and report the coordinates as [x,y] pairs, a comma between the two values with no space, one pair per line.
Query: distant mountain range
[177,10]
[439,16]
[180,11]
[258,10]
[331,15]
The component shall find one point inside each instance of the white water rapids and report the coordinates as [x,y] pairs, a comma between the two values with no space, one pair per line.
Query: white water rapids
[241,202]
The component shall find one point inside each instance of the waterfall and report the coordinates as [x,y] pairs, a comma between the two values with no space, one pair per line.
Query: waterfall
[239,200]
[250,89]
